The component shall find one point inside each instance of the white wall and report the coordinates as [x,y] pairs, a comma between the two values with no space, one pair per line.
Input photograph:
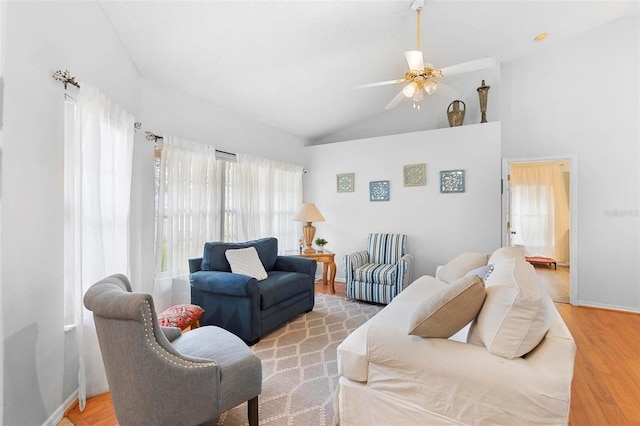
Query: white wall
[439,226]
[2,38]
[582,97]
[40,361]
[165,110]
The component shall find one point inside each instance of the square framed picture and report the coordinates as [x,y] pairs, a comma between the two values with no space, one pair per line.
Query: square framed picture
[451,181]
[345,182]
[415,175]
[379,190]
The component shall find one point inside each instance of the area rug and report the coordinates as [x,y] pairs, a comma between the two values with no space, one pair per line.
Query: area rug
[299,367]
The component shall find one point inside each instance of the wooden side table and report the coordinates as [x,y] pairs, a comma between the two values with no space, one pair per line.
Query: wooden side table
[327,259]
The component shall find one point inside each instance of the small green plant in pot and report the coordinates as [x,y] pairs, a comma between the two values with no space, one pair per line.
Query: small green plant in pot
[321,242]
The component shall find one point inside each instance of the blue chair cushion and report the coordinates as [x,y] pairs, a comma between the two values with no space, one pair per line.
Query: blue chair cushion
[376,273]
[281,286]
[215,260]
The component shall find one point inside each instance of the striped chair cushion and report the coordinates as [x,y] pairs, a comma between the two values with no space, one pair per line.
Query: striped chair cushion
[377,273]
[386,248]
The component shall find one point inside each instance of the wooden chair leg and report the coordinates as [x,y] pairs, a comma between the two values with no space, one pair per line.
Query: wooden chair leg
[253,411]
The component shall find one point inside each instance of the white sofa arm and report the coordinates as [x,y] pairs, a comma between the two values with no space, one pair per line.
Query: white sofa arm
[458,380]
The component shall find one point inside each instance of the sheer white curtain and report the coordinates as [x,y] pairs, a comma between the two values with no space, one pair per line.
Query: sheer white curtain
[188,211]
[266,195]
[98,164]
[540,210]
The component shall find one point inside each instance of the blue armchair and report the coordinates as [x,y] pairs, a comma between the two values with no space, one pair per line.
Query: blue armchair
[242,305]
[382,271]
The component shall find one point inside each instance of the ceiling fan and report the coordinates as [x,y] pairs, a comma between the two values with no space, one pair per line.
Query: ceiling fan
[423,76]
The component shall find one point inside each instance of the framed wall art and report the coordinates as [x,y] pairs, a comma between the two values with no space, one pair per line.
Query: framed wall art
[379,190]
[415,175]
[345,182]
[451,181]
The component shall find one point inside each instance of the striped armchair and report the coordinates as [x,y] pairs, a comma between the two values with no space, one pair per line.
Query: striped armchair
[381,272]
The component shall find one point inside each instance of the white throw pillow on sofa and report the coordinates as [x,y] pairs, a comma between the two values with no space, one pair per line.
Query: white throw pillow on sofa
[460,265]
[447,311]
[246,262]
[507,253]
[483,272]
[516,313]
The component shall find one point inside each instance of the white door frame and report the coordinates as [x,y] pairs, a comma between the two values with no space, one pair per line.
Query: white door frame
[573,213]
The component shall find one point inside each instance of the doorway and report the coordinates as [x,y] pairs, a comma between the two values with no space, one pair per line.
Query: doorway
[538,195]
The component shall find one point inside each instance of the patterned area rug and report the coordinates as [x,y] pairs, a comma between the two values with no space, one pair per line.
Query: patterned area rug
[299,367]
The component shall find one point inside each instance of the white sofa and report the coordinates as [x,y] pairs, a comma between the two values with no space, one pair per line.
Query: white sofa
[389,377]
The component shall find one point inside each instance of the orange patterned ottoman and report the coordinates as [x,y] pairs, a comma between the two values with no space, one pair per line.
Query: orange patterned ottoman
[181,316]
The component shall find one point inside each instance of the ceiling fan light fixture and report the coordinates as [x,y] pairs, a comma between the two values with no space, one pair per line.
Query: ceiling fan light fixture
[430,87]
[409,90]
[424,76]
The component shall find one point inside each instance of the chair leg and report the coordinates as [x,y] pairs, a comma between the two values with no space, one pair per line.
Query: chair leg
[253,411]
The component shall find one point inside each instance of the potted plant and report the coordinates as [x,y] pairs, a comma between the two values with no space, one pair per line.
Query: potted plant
[321,242]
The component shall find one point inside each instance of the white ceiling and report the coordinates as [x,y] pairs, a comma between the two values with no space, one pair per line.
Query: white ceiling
[292,64]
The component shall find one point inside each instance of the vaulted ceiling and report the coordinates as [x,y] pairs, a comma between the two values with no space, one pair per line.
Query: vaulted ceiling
[293,64]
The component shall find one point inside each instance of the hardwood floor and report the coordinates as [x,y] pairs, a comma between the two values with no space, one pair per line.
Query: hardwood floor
[556,281]
[606,378]
[606,375]
[98,412]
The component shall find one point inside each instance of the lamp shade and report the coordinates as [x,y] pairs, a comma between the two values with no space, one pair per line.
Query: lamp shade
[308,213]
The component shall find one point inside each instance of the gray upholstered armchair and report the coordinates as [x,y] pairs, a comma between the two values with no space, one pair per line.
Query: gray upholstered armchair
[159,376]
[382,271]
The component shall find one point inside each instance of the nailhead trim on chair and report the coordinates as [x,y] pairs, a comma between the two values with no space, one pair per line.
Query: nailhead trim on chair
[162,352]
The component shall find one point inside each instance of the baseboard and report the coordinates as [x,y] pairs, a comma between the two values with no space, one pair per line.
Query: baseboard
[57,415]
[609,307]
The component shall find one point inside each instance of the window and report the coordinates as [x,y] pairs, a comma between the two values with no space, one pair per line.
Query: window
[254,198]
[187,203]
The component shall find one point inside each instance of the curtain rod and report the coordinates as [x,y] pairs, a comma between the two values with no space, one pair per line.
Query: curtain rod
[154,138]
[66,78]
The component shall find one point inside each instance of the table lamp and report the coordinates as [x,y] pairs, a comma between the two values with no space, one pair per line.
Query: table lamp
[308,213]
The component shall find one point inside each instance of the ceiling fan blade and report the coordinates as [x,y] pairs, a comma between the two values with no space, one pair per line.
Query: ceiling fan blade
[477,64]
[414,59]
[381,83]
[446,91]
[396,100]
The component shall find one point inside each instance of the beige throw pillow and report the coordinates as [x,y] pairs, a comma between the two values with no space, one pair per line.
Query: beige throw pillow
[460,265]
[517,312]
[246,262]
[450,309]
